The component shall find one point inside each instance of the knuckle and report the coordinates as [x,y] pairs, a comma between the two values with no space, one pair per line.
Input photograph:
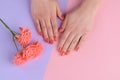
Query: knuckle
[50,34]
[55,33]
[54,25]
[82,40]
[61,41]
[49,28]
[69,27]
[45,36]
[68,41]
[74,41]
[63,37]
[43,27]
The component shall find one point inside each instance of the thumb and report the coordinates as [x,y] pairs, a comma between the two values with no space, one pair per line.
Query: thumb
[59,13]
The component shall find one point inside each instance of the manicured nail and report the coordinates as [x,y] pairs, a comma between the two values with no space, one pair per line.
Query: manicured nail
[47,40]
[60,30]
[55,38]
[63,17]
[77,48]
[59,49]
[67,52]
[51,41]
[62,53]
[40,33]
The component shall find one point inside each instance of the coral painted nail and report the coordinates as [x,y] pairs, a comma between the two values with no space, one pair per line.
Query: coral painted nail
[62,53]
[63,17]
[55,38]
[59,49]
[60,30]
[77,48]
[40,33]
[51,41]
[67,52]
[47,40]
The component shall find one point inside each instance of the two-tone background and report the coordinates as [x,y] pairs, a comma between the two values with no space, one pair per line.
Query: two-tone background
[98,59]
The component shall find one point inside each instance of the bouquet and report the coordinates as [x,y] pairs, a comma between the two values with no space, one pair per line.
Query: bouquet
[30,50]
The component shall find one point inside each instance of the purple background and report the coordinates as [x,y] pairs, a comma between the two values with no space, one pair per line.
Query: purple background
[17,13]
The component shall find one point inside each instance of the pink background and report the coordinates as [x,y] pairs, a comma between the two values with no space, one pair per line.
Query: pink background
[99,57]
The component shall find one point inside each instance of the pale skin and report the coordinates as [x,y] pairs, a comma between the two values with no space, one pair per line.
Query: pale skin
[75,26]
[45,14]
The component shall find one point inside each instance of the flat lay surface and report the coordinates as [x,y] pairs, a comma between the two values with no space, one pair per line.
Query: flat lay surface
[17,13]
[97,59]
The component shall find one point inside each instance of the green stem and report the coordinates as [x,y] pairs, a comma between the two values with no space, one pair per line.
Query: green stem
[15,44]
[12,32]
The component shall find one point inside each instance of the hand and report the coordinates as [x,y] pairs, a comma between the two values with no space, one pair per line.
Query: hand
[44,13]
[75,27]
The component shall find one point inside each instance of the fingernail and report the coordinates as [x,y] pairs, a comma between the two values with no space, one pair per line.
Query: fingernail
[51,41]
[40,33]
[55,38]
[77,48]
[47,40]
[62,53]
[60,30]
[63,17]
[59,49]
[67,52]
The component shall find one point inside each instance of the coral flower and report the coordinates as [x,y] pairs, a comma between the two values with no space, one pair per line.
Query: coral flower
[24,37]
[30,52]
[19,60]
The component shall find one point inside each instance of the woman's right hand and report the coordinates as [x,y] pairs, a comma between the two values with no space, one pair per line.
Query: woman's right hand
[45,14]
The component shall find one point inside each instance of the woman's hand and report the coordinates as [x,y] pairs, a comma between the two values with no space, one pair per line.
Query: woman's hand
[44,13]
[76,25]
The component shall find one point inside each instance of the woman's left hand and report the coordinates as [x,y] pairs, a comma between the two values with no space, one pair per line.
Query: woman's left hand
[76,25]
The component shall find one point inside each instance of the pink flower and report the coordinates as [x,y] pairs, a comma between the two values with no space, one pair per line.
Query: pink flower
[24,37]
[30,52]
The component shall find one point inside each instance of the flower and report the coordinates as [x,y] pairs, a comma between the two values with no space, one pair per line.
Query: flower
[30,52]
[24,37]
[19,60]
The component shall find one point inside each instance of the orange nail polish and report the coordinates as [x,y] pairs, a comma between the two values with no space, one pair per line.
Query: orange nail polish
[59,49]
[62,53]
[40,33]
[60,30]
[67,52]
[55,38]
[47,40]
[63,17]
[51,41]
[77,48]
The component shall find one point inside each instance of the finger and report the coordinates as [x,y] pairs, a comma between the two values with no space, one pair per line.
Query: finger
[54,28]
[67,43]
[37,24]
[59,13]
[49,30]
[62,40]
[80,42]
[38,27]
[44,30]
[62,28]
[73,44]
